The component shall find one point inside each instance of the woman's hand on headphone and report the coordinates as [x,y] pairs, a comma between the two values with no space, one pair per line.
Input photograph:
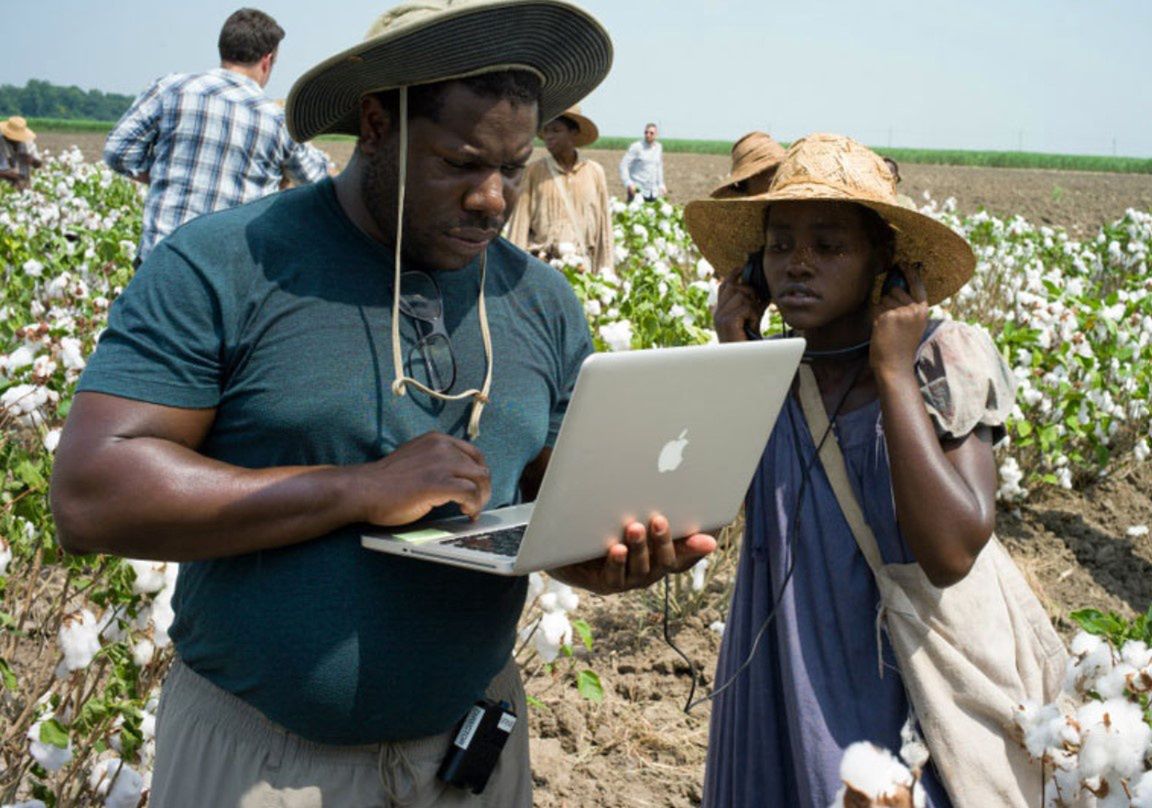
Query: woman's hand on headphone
[738,309]
[898,322]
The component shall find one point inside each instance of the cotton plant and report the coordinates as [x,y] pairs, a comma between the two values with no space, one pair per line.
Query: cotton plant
[1095,738]
[547,631]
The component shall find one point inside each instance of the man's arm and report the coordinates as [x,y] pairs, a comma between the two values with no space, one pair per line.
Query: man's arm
[128,480]
[626,165]
[306,164]
[128,150]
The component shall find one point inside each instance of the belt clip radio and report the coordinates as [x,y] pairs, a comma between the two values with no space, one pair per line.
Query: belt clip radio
[479,739]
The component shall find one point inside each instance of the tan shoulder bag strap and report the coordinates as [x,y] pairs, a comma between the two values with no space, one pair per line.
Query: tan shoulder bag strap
[833,462]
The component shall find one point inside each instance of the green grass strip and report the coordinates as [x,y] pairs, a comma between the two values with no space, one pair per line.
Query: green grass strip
[69,125]
[949,157]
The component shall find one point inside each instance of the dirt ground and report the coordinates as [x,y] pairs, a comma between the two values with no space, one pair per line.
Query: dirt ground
[1077,200]
[638,747]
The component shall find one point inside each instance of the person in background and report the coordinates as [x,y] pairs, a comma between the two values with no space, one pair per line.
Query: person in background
[203,142]
[642,168]
[563,208]
[18,155]
[754,160]
[903,199]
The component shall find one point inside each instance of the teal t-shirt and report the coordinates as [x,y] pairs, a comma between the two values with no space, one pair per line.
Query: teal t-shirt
[278,315]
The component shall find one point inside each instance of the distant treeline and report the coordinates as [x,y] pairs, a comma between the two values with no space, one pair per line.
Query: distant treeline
[42,99]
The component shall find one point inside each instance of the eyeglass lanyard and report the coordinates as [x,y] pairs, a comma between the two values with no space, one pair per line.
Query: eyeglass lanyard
[399,384]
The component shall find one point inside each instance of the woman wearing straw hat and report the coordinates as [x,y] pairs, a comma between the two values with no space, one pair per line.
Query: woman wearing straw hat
[17,152]
[563,209]
[917,406]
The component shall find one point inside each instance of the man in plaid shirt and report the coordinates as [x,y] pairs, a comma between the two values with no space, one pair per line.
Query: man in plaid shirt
[208,141]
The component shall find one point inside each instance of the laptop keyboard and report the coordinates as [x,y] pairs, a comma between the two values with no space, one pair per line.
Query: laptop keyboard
[504,542]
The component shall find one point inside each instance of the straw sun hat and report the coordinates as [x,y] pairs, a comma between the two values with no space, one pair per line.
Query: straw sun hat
[755,153]
[586,131]
[16,129]
[437,40]
[837,169]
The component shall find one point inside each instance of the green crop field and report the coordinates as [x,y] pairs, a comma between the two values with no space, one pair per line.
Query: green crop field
[951,157]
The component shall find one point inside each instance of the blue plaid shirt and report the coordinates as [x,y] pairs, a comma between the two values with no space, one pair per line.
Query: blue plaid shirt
[207,141]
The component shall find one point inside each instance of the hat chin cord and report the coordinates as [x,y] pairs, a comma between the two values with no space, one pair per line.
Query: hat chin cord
[401,381]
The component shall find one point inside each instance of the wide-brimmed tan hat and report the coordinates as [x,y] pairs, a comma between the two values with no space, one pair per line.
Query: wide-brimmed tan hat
[437,40]
[16,129]
[755,153]
[832,168]
[586,131]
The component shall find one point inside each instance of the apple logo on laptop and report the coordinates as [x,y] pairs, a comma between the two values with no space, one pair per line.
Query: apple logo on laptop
[672,454]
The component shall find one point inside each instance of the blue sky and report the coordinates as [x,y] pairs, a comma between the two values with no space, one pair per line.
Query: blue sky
[1067,76]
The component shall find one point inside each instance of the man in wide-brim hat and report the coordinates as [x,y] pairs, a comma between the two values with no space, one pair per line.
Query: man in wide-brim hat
[17,151]
[269,382]
[754,160]
[563,212]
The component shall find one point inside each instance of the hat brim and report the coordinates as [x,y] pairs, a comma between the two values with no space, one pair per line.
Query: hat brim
[727,230]
[17,135]
[725,190]
[565,45]
[586,131]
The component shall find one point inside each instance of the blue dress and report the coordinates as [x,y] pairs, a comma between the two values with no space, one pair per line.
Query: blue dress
[814,687]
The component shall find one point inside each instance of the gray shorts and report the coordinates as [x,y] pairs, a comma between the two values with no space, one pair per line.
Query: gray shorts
[213,748]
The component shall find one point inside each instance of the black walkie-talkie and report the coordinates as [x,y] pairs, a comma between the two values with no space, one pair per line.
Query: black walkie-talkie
[752,274]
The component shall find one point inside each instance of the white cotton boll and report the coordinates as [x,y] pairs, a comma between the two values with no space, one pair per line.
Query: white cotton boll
[913,750]
[1045,728]
[699,569]
[1136,531]
[149,576]
[535,585]
[617,335]
[1114,738]
[593,307]
[79,639]
[873,771]
[568,600]
[553,632]
[142,652]
[119,784]
[51,440]
[1090,657]
[49,756]
[704,269]
[26,804]
[5,556]
[33,268]
[162,616]
[72,353]
[1142,791]
[549,602]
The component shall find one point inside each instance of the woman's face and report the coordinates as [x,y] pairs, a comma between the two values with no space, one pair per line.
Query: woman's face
[819,263]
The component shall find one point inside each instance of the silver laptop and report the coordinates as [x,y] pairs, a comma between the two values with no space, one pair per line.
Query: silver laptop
[676,431]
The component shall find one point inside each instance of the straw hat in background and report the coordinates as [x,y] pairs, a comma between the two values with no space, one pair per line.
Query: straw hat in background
[438,40]
[754,154]
[832,168]
[16,129]
[586,131]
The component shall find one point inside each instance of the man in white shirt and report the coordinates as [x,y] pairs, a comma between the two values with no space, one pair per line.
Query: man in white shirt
[642,168]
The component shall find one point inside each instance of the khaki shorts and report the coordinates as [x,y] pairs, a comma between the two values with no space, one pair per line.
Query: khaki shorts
[214,749]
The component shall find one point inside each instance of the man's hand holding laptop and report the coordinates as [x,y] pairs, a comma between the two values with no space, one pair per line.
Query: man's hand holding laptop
[645,555]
